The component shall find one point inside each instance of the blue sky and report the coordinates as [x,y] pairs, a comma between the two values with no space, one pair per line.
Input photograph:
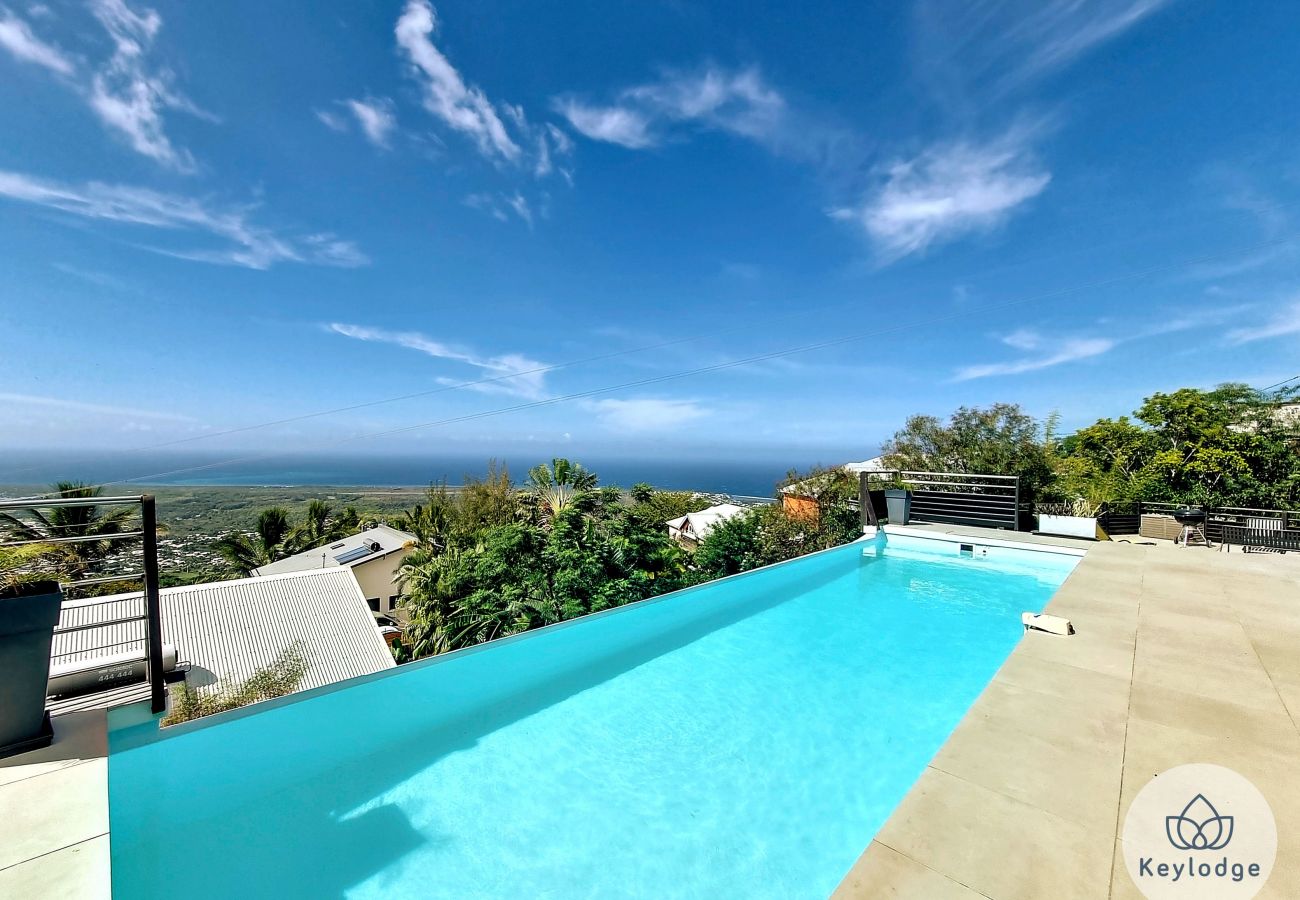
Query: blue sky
[215,215]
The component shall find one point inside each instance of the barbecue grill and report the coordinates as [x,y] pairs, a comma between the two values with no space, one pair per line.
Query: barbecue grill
[1192,519]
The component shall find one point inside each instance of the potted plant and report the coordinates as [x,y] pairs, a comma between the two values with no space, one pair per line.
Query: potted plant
[898,501]
[1075,518]
[29,610]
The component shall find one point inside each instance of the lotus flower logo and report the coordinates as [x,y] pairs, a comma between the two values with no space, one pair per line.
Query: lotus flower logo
[1199,826]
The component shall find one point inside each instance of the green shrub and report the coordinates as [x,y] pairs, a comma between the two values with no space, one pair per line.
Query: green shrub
[281,677]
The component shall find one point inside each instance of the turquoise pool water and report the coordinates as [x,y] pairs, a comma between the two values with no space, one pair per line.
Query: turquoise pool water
[743,739]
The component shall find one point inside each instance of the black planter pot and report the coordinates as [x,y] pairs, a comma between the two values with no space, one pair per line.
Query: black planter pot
[899,503]
[28,614]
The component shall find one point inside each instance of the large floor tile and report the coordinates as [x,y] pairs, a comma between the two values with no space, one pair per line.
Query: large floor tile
[885,873]
[988,842]
[1035,763]
[1227,676]
[1237,726]
[1085,690]
[52,811]
[1107,651]
[79,872]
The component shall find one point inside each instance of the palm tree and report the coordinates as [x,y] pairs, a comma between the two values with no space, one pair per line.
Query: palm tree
[428,596]
[431,522]
[269,541]
[558,486]
[315,525]
[75,559]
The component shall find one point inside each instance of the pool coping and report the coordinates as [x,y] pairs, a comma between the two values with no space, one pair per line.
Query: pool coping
[1181,655]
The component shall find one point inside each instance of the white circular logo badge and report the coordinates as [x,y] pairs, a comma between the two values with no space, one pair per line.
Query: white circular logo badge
[1199,831]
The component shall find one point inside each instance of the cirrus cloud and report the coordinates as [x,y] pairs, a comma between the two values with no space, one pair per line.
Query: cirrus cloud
[739,102]
[948,191]
[247,244]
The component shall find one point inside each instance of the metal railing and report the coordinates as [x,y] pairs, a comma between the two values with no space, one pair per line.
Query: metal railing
[952,498]
[147,577]
[1217,517]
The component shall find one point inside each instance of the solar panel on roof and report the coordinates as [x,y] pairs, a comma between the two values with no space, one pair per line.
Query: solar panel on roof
[354,554]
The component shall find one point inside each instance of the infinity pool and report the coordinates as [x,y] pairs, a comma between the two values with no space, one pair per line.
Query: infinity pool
[746,738]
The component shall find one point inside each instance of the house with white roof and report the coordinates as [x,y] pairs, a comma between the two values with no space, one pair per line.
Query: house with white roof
[694,527]
[214,631]
[373,556]
[801,498]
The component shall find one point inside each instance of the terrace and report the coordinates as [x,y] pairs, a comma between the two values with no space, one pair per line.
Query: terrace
[1181,655]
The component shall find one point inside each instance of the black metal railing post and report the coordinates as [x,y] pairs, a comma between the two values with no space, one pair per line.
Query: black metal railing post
[149,525]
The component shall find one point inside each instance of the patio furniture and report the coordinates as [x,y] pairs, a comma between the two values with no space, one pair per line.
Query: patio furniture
[1271,538]
[1192,527]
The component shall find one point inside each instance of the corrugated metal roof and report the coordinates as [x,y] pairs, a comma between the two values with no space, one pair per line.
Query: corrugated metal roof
[232,628]
[75,646]
[326,555]
[699,524]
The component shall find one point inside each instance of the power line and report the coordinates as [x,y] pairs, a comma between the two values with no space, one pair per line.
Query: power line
[731,364]
[1280,383]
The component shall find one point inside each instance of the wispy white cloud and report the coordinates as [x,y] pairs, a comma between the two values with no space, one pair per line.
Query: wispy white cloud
[517,373]
[948,191]
[17,37]
[521,208]
[501,131]
[612,124]
[1048,353]
[461,106]
[1023,339]
[646,414]
[128,94]
[247,244]
[560,140]
[488,203]
[500,206]
[1285,321]
[1053,34]
[78,406]
[739,102]
[332,120]
[987,48]
[101,279]
[374,116]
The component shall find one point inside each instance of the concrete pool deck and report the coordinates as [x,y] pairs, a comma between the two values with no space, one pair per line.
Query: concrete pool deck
[1181,655]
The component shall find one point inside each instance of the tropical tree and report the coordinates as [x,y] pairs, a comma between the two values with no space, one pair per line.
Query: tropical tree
[558,486]
[730,548]
[487,502]
[1002,439]
[270,540]
[433,521]
[321,525]
[316,526]
[431,581]
[90,522]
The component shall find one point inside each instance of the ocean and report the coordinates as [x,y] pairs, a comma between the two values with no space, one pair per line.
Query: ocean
[753,478]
